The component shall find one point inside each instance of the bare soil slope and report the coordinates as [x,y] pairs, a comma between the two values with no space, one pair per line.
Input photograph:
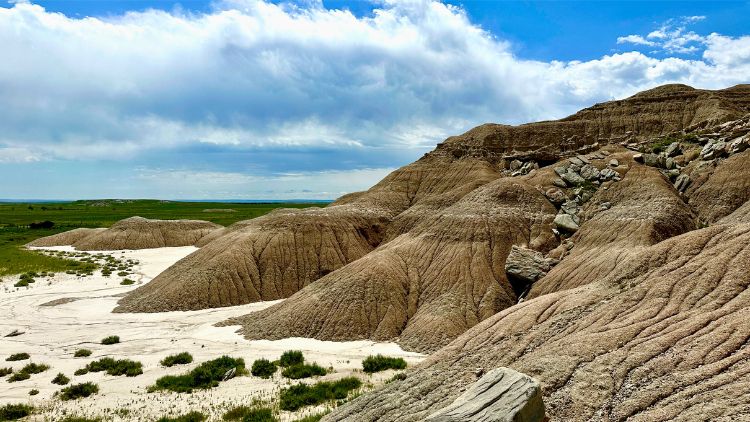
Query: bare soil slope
[143,233]
[65,238]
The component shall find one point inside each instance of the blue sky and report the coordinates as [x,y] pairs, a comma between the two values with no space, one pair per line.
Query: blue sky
[243,99]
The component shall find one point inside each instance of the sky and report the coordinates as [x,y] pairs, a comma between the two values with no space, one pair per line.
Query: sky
[251,99]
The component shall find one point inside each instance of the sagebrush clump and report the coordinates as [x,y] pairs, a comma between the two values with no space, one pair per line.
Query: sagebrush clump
[379,363]
[263,368]
[178,359]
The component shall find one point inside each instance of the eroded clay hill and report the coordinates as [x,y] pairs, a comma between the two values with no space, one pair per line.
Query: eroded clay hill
[133,233]
[277,255]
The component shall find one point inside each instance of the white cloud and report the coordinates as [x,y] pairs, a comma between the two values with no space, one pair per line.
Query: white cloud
[257,75]
[672,37]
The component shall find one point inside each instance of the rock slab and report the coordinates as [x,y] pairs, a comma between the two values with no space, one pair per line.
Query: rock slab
[501,395]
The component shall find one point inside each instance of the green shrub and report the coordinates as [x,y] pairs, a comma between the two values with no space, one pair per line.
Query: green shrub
[34,368]
[188,417]
[127,282]
[296,372]
[17,356]
[117,367]
[82,371]
[300,395]
[313,418]
[76,391]
[291,357]
[60,379]
[82,353]
[5,371]
[123,273]
[111,340]
[21,283]
[19,376]
[33,392]
[381,363]
[11,412]
[80,419]
[263,368]
[250,414]
[178,359]
[206,375]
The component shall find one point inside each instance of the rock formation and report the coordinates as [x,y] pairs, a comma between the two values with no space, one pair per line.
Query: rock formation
[133,233]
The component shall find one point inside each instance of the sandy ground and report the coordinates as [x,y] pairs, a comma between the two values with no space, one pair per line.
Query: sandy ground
[53,333]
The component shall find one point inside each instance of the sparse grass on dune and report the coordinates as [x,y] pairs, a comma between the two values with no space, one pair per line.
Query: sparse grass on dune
[178,359]
[77,391]
[82,353]
[301,395]
[15,411]
[114,367]
[110,340]
[379,363]
[206,375]
[188,417]
[17,356]
[250,414]
[300,371]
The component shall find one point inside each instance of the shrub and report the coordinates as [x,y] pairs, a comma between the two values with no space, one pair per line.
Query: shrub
[300,395]
[82,371]
[76,391]
[17,356]
[114,367]
[11,412]
[312,418]
[381,363]
[5,371]
[291,357]
[206,375]
[188,417]
[123,273]
[34,368]
[296,372]
[60,379]
[127,282]
[21,283]
[19,376]
[82,353]
[178,359]
[80,419]
[111,340]
[250,414]
[263,368]
[42,225]
[33,392]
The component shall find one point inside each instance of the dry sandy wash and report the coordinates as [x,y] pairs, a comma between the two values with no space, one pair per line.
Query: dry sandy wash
[81,315]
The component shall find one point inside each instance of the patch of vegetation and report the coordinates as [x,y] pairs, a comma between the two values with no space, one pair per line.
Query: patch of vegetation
[111,340]
[80,419]
[263,368]
[33,392]
[313,418]
[19,376]
[17,356]
[379,363]
[178,359]
[28,370]
[82,353]
[127,282]
[206,375]
[301,395]
[60,379]
[12,412]
[77,391]
[291,357]
[5,371]
[299,371]
[82,371]
[397,377]
[116,367]
[188,417]
[250,414]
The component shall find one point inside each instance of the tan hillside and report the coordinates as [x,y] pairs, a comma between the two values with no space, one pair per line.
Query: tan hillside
[133,233]
[65,238]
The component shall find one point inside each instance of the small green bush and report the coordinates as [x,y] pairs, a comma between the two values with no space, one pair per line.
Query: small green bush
[17,356]
[263,368]
[19,376]
[296,372]
[82,371]
[250,414]
[5,371]
[21,283]
[206,375]
[381,363]
[301,395]
[60,379]
[178,359]
[127,282]
[33,392]
[82,353]
[291,357]
[117,367]
[123,273]
[111,340]
[80,419]
[76,391]
[188,417]
[11,412]
[312,418]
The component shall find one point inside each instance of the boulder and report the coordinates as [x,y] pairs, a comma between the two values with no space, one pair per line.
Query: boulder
[589,172]
[515,165]
[576,161]
[526,265]
[570,208]
[555,195]
[673,150]
[501,395]
[682,182]
[653,160]
[713,149]
[572,178]
[638,158]
[565,223]
[560,183]
[614,163]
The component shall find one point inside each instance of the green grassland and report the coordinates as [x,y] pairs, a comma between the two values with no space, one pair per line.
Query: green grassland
[15,219]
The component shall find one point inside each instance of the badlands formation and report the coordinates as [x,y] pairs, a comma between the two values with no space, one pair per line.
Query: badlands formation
[606,255]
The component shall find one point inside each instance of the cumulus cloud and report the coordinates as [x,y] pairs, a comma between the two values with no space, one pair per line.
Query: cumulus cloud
[254,76]
[672,37]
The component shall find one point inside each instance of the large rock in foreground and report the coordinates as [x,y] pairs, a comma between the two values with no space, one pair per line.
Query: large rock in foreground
[502,395]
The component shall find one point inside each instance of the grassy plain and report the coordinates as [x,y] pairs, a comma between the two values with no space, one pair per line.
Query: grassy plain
[15,219]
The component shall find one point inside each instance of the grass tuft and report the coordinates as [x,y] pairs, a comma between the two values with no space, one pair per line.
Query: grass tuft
[291,357]
[301,395]
[188,417]
[206,375]
[82,353]
[116,367]
[17,356]
[111,340]
[60,379]
[250,414]
[379,363]
[77,391]
[178,359]
[12,412]
[300,371]
[263,368]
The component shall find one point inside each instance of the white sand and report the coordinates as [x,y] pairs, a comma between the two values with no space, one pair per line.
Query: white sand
[53,333]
